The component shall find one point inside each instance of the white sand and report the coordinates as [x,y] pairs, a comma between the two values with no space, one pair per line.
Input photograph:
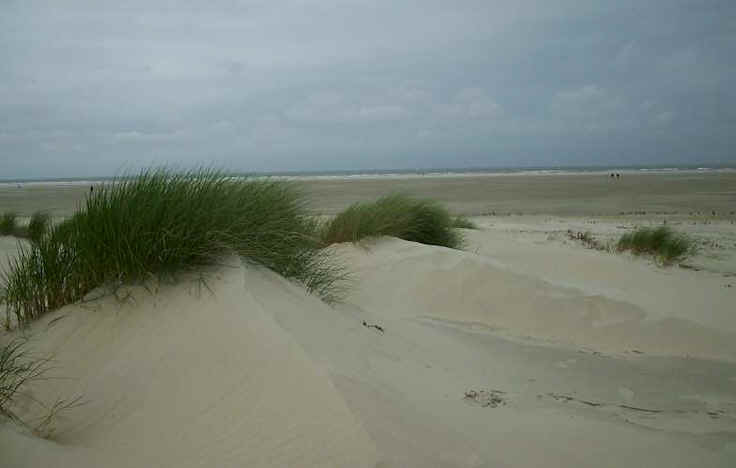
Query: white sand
[260,374]
[187,378]
[589,299]
[582,357]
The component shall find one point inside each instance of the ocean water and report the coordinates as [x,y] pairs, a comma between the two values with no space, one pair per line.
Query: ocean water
[411,173]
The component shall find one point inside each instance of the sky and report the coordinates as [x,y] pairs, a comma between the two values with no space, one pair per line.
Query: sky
[95,88]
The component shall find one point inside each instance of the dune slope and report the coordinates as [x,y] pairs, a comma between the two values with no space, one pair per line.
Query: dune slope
[538,401]
[195,375]
[421,281]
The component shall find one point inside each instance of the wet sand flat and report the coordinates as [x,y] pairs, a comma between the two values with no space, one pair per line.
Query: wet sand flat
[573,194]
[559,194]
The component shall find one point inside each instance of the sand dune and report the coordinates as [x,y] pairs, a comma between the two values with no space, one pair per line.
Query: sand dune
[187,377]
[558,404]
[475,364]
[420,281]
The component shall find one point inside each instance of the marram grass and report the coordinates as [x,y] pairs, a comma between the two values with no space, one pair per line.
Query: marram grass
[8,223]
[662,243]
[423,221]
[38,226]
[463,222]
[161,222]
[17,369]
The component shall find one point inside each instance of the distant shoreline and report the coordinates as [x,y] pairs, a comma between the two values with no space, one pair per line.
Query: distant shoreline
[412,173]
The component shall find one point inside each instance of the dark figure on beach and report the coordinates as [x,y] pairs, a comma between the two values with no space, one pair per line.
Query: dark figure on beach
[91,188]
[618,176]
[613,175]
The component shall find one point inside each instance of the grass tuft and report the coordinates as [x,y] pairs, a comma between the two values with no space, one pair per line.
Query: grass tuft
[661,242]
[38,226]
[17,369]
[8,223]
[400,216]
[160,223]
[463,222]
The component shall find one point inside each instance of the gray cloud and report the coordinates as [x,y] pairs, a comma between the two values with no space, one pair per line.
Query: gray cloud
[88,87]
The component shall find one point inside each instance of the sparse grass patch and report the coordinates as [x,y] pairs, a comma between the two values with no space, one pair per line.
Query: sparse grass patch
[400,216]
[587,239]
[38,226]
[463,223]
[8,223]
[161,222]
[662,242]
[17,369]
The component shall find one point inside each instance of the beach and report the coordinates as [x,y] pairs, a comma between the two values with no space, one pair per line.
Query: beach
[566,193]
[527,347]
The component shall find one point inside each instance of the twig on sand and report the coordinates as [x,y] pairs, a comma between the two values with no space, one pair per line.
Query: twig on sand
[377,327]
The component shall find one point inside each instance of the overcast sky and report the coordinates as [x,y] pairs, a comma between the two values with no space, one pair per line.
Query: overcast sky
[92,87]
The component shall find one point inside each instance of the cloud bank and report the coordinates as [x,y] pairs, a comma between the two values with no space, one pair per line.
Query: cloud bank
[91,88]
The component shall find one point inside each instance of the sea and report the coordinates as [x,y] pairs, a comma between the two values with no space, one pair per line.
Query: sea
[411,173]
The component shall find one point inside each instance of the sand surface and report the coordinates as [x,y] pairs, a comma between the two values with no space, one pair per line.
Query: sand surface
[196,375]
[560,194]
[525,349]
